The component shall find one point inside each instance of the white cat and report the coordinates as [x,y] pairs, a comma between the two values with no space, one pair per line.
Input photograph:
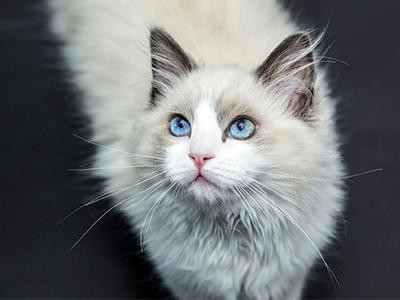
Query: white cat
[217,137]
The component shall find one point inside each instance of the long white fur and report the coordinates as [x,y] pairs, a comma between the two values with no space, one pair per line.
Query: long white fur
[258,234]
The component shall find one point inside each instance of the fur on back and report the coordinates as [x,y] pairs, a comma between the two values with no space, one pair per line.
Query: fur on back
[206,244]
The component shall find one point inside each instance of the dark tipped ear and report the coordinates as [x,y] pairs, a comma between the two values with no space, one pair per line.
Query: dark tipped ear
[290,70]
[168,62]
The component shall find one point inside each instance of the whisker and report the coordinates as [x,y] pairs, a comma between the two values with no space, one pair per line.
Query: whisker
[109,210]
[90,202]
[287,215]
[112,168]
[364,173]
[277,176]
[263,211]
[249,209]
[265,214]
[272,190]
[277,193]
[117,150]
[271,174]
[273,224]
[109,194]
[155,204]
[151,215]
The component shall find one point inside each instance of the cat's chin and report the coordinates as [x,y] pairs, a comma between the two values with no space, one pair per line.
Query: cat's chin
[204,191]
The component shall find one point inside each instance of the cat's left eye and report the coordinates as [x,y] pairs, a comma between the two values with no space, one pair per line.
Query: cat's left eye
[242,129]
[179,126]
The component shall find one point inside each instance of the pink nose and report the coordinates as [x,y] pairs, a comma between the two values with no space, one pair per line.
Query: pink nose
[200,159]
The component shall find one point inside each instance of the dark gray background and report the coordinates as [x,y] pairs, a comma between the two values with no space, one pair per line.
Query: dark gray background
[38,118]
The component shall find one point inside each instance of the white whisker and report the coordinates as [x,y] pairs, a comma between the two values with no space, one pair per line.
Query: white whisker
[155,204]
[117,150]
[281,211]
[112,168]
[277,193]
[250,211]
[272,223]
[110,194]
[111,209]
[363,173]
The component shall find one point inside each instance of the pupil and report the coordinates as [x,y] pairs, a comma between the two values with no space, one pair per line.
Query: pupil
[181,123]
[240,125]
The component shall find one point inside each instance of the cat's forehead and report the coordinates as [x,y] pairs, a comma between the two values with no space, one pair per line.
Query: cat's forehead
[226,92]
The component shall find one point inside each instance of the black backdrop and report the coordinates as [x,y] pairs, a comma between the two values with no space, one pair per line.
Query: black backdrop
[39,119]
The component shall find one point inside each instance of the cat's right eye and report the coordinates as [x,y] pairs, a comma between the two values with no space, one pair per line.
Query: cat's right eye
[179,126]
[242,129]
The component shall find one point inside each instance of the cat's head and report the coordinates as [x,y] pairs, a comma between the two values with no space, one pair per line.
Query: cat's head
[220,132]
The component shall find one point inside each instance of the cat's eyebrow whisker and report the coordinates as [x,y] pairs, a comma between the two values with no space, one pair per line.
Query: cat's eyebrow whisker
[117,150]
[363,173]
[110,194]
[329,59]
[281,211]
[160,183]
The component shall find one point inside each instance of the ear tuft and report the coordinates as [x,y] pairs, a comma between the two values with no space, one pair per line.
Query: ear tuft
[169,62]
[290,70]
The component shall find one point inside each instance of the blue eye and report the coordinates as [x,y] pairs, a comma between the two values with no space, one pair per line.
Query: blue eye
[242,129]
[179,126]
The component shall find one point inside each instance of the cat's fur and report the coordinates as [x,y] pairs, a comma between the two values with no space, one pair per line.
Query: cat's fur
[257,231]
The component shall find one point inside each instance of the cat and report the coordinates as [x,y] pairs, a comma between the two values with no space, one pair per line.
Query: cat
[216,134]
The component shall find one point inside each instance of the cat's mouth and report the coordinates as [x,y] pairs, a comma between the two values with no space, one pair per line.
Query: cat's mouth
[201,179]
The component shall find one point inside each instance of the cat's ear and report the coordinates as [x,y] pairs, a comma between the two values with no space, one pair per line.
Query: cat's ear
[169,62]
[290,70]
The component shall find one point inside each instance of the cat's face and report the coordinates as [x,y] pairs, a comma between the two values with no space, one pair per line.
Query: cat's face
[222,133]
[215,155]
